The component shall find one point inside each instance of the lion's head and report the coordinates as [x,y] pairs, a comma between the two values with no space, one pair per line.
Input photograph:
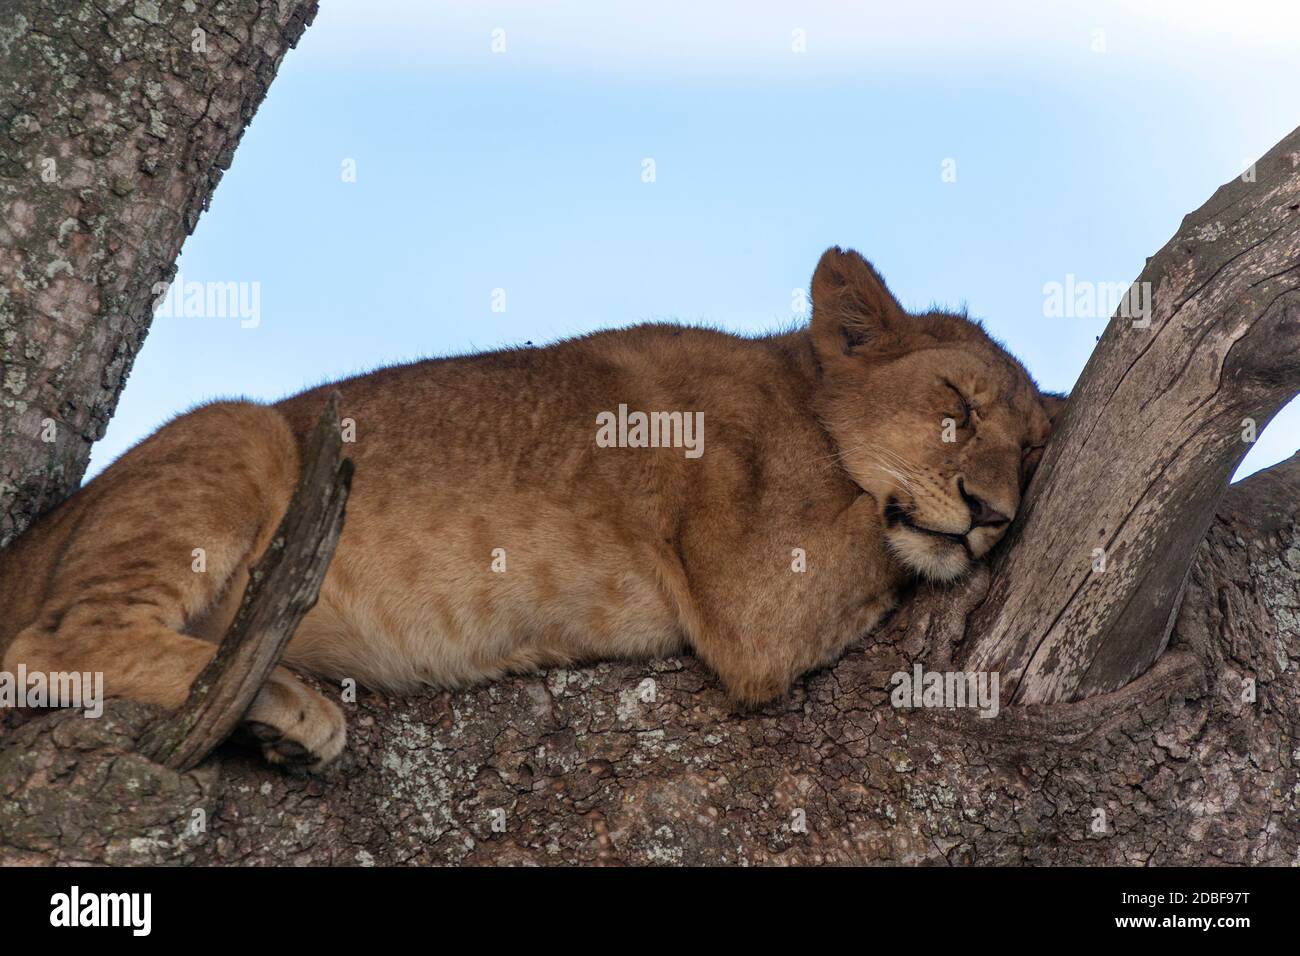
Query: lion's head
[932,417]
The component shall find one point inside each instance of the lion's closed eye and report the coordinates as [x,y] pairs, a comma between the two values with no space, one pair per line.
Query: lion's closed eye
[963,408]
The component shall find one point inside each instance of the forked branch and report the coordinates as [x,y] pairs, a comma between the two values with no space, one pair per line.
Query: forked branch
[1083,596]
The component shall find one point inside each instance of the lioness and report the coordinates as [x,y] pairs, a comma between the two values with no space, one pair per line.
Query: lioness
[490,531]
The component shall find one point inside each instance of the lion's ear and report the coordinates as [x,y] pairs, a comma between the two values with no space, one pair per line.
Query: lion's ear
[851,305]
[1053,404]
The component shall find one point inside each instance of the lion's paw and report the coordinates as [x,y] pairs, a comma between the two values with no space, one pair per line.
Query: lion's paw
[294,725]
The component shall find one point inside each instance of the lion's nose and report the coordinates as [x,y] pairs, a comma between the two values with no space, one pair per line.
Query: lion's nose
[982,514]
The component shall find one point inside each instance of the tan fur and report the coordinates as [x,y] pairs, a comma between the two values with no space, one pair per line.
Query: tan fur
[826,439]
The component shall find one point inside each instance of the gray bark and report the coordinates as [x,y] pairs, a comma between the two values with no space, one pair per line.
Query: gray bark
[1158,422]
[114,131]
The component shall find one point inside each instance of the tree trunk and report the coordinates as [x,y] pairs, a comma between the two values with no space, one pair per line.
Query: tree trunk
[1084,592]
[117,121]
[645,763]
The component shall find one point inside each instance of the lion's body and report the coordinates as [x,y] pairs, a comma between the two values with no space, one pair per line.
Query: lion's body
[489,531]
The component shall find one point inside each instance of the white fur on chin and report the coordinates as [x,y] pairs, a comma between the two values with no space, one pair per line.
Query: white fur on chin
[926,556]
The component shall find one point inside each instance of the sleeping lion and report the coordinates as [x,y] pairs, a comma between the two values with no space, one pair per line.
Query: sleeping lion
[626,494]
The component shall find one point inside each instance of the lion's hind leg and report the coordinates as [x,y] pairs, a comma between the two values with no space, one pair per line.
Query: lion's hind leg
[157,540]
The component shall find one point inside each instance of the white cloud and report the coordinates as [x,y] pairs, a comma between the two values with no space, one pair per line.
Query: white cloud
[697,36]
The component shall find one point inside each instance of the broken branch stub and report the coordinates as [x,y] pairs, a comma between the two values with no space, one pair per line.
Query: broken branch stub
[283,586]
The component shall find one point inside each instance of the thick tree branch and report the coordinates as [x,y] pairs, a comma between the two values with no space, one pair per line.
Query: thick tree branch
[1084,593]
[282,587]
[646,763]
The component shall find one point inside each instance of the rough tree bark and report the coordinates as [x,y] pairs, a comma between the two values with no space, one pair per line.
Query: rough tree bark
[116,122]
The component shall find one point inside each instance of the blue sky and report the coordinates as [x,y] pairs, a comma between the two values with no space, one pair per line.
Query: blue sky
[1079,134]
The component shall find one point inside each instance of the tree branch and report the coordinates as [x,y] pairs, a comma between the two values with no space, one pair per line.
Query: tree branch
[1085,589]
[282,587]
[646,762]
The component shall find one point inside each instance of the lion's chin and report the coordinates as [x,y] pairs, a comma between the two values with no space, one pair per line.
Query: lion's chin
[928,556]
